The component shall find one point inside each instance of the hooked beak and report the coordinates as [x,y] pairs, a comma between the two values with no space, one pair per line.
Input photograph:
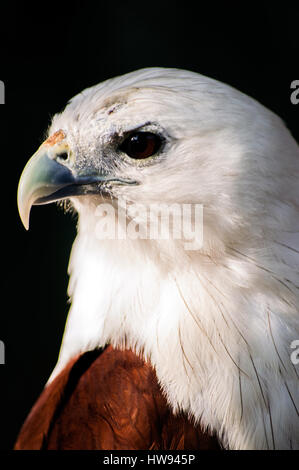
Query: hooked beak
[47,177]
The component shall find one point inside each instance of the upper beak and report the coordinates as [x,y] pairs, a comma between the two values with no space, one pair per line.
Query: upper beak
[46,179]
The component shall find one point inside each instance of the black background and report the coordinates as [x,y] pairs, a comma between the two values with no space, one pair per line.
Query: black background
[50,52]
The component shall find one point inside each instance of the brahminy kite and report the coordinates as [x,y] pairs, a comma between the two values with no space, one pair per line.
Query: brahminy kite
[172,342]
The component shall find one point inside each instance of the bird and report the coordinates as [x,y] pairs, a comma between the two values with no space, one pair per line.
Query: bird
[184,339]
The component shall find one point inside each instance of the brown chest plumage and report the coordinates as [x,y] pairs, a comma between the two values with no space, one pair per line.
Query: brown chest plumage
[108,400]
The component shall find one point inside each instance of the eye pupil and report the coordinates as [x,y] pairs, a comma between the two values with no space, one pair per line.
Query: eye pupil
[141,145]
[63,156]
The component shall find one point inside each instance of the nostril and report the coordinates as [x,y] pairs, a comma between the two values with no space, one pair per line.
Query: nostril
[62,156]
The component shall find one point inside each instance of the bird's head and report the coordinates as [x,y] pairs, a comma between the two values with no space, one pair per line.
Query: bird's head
[159,136]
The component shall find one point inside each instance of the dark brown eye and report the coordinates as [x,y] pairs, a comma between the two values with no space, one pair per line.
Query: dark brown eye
[141,145]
